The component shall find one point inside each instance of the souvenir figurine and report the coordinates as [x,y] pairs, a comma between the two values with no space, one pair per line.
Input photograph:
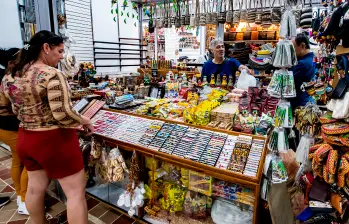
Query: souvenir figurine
[224,81]
[212,82]
[230,83]
[218,82]
[204,81]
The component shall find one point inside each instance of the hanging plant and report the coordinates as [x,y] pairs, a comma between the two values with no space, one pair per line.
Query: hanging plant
[134,6]
[124,4]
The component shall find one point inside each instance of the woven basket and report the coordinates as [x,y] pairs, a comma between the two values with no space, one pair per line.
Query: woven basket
[327,118]
[335,128]
[332,139]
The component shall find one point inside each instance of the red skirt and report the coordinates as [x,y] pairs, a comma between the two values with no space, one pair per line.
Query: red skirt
[56,151]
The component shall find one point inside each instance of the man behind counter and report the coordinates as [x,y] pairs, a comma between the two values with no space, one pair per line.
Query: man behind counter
[304,71]
[219,65]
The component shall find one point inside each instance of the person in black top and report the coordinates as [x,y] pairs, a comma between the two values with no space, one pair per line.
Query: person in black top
[8,135]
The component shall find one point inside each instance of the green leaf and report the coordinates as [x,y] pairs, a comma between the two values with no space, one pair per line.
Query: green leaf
[133,16]
[114,19]
[122,13]
[111,11]
[125,21]
[135,24]
[137,17]
[116,10]
[128,14]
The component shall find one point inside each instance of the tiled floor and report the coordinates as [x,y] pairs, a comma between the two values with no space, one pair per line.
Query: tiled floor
[99,213]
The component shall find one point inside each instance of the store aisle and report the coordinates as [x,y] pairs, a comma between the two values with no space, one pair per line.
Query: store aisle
[99,213]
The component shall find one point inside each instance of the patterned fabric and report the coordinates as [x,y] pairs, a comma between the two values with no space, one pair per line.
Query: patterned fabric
[40,98]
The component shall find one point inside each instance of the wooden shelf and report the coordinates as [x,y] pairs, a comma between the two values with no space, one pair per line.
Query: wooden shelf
[251,41]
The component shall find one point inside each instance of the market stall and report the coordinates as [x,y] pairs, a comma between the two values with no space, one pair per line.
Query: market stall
[173,146]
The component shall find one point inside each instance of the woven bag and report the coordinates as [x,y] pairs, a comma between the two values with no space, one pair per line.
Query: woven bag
[251,14]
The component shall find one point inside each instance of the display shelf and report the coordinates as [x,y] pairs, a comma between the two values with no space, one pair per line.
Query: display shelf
[251,41]
[221,174]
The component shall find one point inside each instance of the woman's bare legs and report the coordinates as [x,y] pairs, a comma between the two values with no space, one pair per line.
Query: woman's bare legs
[34,200]
[74,188]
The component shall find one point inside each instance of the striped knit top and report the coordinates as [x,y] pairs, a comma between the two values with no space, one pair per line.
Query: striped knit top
[40,98]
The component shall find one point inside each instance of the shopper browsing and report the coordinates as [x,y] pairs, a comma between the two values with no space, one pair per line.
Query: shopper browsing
[9,133]
[219,65]
[304,71]
[47,141]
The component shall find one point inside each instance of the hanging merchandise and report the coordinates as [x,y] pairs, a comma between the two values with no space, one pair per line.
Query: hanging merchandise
[308,119]
[133,196]
[278,141]
[339,25]
[202,21]
[266,15]
[276,13]
[306,16]
[303,149]
[229,14]
[282,85]
[258,14]
[187,15]
[251,14]
[222,13]
[214,15]
[111,166]
[283,115]
[236,14]
[288,27]
[178,17]
[193,13]
[243,12]
[296,12]
[284,55]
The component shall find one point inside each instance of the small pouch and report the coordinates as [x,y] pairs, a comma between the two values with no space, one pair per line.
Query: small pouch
[319,190]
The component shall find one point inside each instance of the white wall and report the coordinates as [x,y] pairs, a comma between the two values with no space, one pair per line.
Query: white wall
[105,29]
[9,24]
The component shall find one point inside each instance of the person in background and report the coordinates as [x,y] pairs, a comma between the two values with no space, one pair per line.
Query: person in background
[47,141]
[304,71]
[219,65]
[9,133]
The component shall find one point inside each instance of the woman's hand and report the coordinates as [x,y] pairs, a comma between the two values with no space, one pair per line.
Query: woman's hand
[87,125]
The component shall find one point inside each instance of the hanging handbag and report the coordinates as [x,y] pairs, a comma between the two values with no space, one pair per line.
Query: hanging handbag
[222,14]
[208,13]
[182,15]
[306,16]
[229,14]
[316,22]
[251,15]
[258,14]
[202,21]
[266,15]
[276,14]
[243,12]
[236,15]
[165,18]
[343,84]
[178,16]
[192,17]
[197,13]
[214,16]
[187,15]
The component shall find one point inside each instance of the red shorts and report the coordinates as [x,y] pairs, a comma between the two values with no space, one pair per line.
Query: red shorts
[56,151]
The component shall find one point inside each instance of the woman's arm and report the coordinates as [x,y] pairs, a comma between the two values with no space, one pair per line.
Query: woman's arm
[58,93]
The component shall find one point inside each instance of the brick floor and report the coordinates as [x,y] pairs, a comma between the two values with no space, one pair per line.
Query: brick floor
[99,213]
